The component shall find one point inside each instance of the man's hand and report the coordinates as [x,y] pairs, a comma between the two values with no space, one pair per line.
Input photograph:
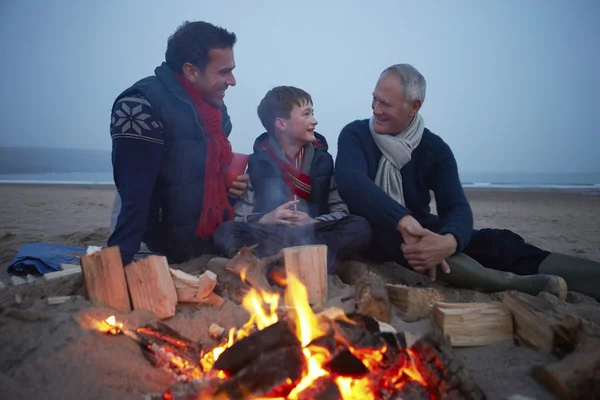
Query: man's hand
[301,218]
[239,186]
[430,251]
[282,215]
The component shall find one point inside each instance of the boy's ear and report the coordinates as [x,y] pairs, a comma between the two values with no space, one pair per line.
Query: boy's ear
[280,124]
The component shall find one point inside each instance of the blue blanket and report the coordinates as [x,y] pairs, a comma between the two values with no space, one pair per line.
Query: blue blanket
[43,258]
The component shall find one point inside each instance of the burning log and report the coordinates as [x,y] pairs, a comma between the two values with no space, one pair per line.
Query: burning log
[370,294]
[151,286]
[443,375]
[229,284]
[346,364]
[242,352]
[105,279]
[309,265]
[250,269]
[321,389]
[271,374]
[577,376]
[474,324]
[193,289]
[536,324]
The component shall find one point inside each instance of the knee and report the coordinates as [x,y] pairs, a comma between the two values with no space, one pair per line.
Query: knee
[223,235]
[362,229]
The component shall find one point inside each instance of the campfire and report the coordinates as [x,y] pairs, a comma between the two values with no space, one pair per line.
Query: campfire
[286,351]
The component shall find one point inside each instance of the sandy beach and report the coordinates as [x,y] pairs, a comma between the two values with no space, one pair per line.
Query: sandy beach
[48,355]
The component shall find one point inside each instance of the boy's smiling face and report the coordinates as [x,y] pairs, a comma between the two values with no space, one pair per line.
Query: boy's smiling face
[301,124]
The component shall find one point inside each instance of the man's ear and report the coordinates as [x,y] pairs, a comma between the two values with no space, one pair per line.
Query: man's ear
[190,72]
[280,124]
[415,107]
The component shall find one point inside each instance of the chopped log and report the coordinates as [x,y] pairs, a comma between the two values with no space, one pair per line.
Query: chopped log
[193,289]
[370,294]
[151,286]
[229,284]
[413,303]
[577,376]
[105,279]
[250,269]
[539,327]
[474,324]
[309,265]
[249,348]
[271,374]
[213,300]
[445,375]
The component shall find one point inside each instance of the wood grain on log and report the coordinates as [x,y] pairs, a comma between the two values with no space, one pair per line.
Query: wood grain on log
[414,303]
[104,279]
[151,286]
[309,265]
[474,324]
[250,269]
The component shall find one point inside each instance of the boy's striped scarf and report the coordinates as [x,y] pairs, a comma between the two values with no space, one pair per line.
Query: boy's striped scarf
[298,182]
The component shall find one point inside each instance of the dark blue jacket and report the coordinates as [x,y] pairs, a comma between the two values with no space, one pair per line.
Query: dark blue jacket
[432,168]
[271,191]
[178,191]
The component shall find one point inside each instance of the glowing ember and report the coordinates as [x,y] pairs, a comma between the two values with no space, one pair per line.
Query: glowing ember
[384,373]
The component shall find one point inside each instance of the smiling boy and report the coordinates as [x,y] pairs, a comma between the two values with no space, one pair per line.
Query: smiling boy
[292,197]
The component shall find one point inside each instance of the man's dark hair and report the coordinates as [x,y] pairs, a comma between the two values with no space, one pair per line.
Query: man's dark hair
[192,41]
[279,102]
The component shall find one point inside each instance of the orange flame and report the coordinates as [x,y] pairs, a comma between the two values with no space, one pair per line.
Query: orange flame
[263,306]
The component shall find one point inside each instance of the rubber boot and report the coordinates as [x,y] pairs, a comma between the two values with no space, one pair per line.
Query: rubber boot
[581,275]
[467,273]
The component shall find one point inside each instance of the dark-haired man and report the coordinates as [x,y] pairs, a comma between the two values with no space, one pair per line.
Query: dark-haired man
[170,144]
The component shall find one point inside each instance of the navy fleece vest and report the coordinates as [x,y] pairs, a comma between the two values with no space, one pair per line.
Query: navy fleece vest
[271,191]
[178,192]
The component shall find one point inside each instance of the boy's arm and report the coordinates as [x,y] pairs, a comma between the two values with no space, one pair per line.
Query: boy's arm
[337,208]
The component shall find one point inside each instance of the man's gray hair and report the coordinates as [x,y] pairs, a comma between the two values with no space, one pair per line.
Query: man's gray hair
[412,81]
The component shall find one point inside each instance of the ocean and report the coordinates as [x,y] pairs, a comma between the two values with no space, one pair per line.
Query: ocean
[564,181]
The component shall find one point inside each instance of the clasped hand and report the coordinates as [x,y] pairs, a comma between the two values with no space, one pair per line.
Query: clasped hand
[286,214]
[425,250]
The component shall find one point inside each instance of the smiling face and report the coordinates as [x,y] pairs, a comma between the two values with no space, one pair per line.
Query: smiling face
[392,111]
[216,78]
[300,126]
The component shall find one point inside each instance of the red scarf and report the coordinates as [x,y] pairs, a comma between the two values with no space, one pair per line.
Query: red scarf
[298,182]
[215,205]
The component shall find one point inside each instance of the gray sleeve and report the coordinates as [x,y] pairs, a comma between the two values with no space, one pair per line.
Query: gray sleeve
[244,207]
[337,207]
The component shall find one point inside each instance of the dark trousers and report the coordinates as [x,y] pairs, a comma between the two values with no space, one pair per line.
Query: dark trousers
[343,237]
[498,249]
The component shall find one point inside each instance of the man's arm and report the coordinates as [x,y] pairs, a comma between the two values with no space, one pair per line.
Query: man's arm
[359,192]
[337,208]
[453,208]
[137,147]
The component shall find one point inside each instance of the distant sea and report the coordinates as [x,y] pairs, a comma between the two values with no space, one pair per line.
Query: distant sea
[564,181]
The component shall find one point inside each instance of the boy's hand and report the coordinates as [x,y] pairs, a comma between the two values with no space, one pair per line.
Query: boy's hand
[239,186]
[282,215]
[301,218]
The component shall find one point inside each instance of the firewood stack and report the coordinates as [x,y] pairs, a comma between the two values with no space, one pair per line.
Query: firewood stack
[147,284]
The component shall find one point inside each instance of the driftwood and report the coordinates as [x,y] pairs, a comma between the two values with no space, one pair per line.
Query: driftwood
[539,327]
[474,324]
[229,284]
[576,376]
[370,295]
[105,279]
[250,269]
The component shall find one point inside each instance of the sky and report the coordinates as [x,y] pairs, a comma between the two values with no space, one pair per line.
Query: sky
[511,85]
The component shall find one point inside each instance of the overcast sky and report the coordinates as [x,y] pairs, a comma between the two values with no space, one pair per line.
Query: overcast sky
[511,85]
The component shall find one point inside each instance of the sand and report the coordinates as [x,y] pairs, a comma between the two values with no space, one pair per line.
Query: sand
[54,352]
